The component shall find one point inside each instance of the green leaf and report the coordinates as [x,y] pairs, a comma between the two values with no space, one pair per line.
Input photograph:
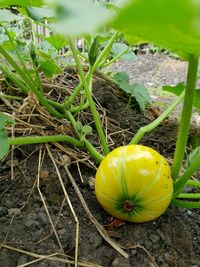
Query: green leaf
[141,94]
[86,129]
[173,25]
[39,13]
[123,80]
[5,120]
[44,55]
[77,17]
[7,15]
[24,3]
[79,126]
[195,140]
[136,90]
[4,140]
[118,48]
[49,67]
[179,88]
[94,51]
[57,40]
[193,155]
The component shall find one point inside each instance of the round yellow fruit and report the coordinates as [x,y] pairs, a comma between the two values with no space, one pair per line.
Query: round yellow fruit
[134,183]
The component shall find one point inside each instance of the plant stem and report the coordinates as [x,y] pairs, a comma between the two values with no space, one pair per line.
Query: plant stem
[105,52]
[189,195]
[70,99]
[193,183]
[32,86]
[185,117]
[11,97]
[180,183]
[140,133]
[90,148]
[114,59]
[25,70]
[88,76]
[45,139]
[186,204]
[90,100]
[92,151]
[17,81]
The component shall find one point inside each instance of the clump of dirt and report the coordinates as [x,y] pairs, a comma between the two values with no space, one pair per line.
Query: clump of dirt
[170,241]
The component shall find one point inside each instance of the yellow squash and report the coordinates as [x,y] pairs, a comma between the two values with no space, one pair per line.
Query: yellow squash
[134,183]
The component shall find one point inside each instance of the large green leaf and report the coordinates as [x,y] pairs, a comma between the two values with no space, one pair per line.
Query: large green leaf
[119,48]
[76,17]
[179,88]
[123,80]
[24,3]
[4,141]
[136,90]
[39,13]
[141,94]
[171,24]
[195,153]
[49,67]
[57,40]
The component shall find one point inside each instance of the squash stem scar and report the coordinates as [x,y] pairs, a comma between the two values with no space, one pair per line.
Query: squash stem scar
[128,205]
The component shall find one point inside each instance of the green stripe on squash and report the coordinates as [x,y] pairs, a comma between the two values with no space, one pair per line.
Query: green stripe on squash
[134,183]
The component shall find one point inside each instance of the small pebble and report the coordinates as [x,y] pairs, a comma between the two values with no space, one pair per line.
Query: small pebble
[134,252]
[14,211]
[62,232]
[22,259]
[95,239]
[189,212]
[160,259]
[3,211]
[160,233]
[42,218]
[154,238]
[164,265]
[31,224]
[8,203]
[120,262]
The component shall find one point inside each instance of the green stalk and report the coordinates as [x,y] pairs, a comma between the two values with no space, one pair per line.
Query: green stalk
[90,100]
[45,139]
[31,86]
[180,183]
[22,86]
[92,151]
[140,133]
[104,52]
[185,117]
[189,195]
[58,106]
[25,70]
[79,108]
[193,183]
[90,148]
[70,99]
[14,79]
[186,204]
[114,59]
[11,97]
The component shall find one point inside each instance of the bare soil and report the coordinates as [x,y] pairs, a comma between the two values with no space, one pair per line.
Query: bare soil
[170,241]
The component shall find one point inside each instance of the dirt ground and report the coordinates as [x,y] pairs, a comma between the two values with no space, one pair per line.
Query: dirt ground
[170,241]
